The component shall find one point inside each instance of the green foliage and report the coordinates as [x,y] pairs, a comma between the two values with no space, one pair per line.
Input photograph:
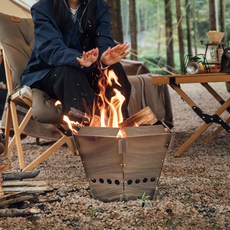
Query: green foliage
[151,28]
[188,199]
[92,212]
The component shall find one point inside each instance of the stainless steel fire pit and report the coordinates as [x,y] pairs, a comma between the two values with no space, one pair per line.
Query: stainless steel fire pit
[120,169]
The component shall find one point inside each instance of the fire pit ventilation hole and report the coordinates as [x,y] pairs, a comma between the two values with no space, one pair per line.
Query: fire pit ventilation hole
[145,180]
[93,180]
[101,180]
[109,181]
[117,182]
[129,182]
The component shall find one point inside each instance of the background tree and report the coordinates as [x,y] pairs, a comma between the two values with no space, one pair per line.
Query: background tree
[180,33]
[212,14]
[116,21]
[157,38]
[133,29]
[188,27]
[223,19]
[194,13]
[169,36]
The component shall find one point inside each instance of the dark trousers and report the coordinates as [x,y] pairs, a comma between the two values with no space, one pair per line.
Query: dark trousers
[77,88]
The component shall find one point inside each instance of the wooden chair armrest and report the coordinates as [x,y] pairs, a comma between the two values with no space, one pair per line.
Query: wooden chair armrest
[24,94]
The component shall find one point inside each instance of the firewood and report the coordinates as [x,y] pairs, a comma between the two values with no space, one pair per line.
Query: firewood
[26,186]
[25,183]
[15,200]
[85,118]
[49,199]
[143,117]
[95,121]
[14,212]
[19,175]
[12,195]
[80,116]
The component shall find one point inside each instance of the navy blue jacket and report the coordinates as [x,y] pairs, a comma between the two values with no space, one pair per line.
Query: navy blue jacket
[52,48]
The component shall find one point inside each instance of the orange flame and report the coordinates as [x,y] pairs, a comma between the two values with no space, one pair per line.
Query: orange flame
[110,110]
[71,124]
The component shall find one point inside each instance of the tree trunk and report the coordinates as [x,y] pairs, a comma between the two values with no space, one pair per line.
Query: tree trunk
[194,26]
[169,36]
[116,22]
[133,28]
[212,15]
[223,19]
[189,43]
[180,33]
[159,39]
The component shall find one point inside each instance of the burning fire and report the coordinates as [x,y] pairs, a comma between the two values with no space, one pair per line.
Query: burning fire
[71,124]
[110,109]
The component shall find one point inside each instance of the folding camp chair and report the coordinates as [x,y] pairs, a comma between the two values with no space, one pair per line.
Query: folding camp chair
[16,41]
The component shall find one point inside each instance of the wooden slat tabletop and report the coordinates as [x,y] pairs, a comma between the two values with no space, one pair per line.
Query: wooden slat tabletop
[190,78]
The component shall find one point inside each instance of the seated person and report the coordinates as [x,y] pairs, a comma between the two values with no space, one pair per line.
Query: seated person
[72,43]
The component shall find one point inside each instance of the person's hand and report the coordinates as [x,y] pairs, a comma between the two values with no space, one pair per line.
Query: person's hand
[115,54]
[88,58]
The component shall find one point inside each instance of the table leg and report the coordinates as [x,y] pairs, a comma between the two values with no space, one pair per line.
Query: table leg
[202,129]
[221,101]
[214,94]
[215,132]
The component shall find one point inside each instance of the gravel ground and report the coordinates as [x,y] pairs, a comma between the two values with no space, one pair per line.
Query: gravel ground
[193,191]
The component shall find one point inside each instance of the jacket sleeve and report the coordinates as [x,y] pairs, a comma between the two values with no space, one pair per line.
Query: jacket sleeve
[49,44]
[103,27]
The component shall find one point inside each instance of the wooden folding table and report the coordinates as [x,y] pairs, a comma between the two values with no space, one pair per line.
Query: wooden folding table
[176,80]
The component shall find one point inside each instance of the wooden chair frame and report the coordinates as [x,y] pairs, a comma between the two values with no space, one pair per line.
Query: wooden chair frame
[23,96]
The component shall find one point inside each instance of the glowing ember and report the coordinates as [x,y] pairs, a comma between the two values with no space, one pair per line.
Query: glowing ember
[57,103]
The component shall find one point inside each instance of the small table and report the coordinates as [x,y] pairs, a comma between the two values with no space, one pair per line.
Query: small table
[204,79]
